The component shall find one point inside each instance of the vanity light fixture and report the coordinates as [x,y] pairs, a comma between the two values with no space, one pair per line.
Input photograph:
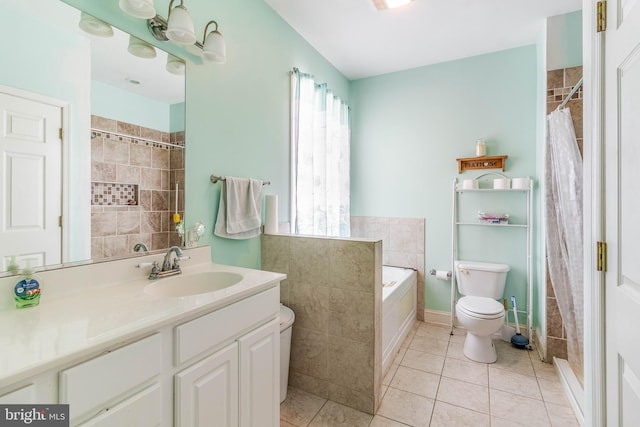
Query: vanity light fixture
[92,25]
[178,28]
[138,8]
[214,48]
[390,4]
[140,48]
[175,65]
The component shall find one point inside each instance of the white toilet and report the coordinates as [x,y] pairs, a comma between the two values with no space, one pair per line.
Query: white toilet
[478,311]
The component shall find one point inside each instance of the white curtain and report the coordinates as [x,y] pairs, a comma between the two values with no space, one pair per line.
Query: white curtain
[320,145]
[564,233]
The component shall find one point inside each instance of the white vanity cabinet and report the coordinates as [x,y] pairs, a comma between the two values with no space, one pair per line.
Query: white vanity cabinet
[260,376]
[206,394]
[24,394]
[197,361]
[121,387]
[237,385]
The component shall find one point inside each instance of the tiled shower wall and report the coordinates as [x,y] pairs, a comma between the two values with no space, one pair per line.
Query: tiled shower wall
[559,84]
[141,158]
[334,288]
[403,245]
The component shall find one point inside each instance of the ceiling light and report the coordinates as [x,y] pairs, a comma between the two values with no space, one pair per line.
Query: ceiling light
[175,65]
[214,48]
[92,25]
[140,48]
[180,25]
[390,4]
[138,8]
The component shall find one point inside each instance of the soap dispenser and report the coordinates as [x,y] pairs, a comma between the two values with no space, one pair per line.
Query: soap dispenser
[13,266]
[27,290]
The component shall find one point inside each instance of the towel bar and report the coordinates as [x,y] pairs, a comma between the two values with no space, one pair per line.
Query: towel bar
[216,178]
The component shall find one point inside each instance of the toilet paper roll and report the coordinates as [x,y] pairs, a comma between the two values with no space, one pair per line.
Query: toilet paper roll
[469,184]
[501,184]
[442,275]
[521,183]
[271,214]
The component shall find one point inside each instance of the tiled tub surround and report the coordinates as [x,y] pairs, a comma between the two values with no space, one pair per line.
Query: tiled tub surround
[403,244]
[559,84]
[142,160]
[334,288]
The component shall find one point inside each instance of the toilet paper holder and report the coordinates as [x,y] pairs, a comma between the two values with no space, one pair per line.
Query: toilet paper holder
[434,272]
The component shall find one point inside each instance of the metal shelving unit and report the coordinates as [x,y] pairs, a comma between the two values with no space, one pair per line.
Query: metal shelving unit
[528,240]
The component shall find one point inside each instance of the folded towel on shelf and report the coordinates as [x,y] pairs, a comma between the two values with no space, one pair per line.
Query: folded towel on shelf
[240,211]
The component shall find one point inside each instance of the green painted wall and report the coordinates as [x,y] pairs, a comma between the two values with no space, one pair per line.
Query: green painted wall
[117,104]
[238,113]
[177,117]
[564,33]
[408,129]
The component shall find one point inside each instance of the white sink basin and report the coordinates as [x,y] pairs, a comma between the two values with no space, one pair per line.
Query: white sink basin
[192,284]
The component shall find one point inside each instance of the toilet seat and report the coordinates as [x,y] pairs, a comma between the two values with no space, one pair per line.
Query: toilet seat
[480,307]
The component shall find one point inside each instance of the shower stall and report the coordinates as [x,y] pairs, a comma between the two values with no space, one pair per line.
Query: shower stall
[563,205]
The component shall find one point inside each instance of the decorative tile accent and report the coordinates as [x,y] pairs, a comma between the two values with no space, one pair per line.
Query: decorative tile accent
[108,194]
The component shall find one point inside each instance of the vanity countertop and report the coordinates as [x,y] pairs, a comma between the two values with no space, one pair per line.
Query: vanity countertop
[95,317]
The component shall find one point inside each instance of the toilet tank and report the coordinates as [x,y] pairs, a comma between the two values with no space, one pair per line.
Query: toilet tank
[481,279]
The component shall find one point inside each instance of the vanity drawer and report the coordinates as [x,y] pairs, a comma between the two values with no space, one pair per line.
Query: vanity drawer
[207,332]
[26,394]
[100,381]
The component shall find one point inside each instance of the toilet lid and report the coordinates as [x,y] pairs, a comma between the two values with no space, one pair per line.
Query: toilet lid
[481,307]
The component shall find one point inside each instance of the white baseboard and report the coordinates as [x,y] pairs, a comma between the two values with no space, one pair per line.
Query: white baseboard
[541,343]
[572,387]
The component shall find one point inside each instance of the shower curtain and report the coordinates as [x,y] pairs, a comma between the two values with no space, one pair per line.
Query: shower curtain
[563,215]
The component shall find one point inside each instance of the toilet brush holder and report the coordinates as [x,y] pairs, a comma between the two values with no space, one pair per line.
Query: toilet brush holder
[518,340]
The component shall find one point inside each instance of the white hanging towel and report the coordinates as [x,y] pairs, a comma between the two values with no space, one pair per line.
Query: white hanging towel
[240,211]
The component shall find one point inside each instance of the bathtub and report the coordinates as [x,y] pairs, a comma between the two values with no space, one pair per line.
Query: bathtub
[398,309]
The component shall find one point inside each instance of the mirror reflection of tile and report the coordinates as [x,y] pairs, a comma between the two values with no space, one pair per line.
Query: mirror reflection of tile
[133,171]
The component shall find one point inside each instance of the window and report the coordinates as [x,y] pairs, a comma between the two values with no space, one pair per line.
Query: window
[320,145]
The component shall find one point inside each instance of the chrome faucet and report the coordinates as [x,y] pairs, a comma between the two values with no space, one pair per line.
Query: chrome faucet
[168,268]
[167,265]
[139,246]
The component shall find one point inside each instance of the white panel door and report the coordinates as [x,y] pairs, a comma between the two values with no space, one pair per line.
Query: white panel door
[260,377]
[206,393]
[30,181]
[622,211]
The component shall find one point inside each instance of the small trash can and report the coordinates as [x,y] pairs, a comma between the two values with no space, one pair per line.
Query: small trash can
[286,322]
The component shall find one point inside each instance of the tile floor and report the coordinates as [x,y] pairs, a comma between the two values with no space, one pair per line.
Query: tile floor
[431,383]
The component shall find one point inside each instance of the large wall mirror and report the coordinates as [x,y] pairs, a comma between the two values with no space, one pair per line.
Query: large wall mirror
[108,184]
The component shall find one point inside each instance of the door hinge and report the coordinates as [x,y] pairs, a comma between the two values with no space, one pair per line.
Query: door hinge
[60,221]
[601,16]
[602,256]
[61,133]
